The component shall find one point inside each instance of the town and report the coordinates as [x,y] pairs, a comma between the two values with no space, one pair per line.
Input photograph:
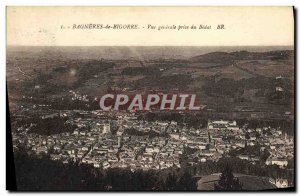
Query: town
[121,140]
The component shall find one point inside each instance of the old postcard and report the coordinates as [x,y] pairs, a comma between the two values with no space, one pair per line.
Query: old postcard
[151,98]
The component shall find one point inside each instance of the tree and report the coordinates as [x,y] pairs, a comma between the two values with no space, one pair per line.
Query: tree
[186,182]
[227,181]
[170,183]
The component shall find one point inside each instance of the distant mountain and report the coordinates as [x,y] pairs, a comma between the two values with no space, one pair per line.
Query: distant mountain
[127,52]
[214,57]
[227,58]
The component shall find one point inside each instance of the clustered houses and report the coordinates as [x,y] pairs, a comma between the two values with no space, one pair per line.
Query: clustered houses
[77,96]
[93,143]
[280,149]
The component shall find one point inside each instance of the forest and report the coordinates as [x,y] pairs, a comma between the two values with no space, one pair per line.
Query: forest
[41,173]
[33,173]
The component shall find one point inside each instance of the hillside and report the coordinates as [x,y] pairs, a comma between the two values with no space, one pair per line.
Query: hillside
[225,58]
[248,182]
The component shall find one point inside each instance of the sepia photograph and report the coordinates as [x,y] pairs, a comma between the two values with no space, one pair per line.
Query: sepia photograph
[150,98]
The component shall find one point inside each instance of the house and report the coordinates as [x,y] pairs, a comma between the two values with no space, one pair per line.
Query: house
[222,125]
[244,157]
[281,162]
[281,183]
[42,149]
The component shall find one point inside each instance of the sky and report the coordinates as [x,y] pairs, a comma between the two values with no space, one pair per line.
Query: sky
[244,26]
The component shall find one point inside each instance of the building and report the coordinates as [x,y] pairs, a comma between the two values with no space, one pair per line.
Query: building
[281,183]
[104,127]
[281,162]
[222,125]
